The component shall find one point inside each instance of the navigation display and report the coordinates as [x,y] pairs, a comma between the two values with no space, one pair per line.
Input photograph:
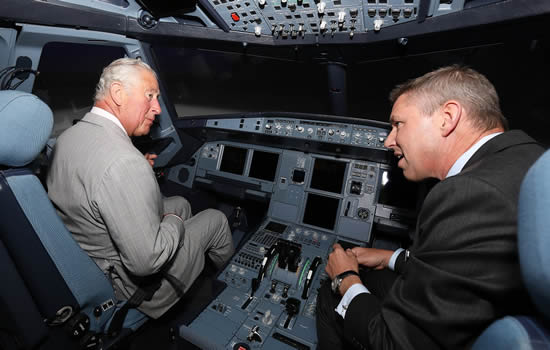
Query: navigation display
[233,160]
[264,165]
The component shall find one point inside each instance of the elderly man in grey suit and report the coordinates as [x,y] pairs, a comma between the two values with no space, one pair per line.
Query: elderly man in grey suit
[107,195]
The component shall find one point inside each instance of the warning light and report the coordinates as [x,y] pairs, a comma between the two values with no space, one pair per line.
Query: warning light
[235,16]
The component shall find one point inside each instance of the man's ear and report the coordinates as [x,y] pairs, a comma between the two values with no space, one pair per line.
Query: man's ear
[116,90]
[451,114]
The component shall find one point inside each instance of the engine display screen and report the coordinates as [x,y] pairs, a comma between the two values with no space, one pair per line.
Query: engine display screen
[328,175]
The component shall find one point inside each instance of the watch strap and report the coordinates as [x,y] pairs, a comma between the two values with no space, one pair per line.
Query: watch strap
[347,273]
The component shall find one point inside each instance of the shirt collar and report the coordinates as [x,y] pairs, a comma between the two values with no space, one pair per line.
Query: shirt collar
[103,113]
[465,157]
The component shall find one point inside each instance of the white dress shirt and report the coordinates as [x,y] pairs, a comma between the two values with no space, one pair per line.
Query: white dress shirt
[103,113]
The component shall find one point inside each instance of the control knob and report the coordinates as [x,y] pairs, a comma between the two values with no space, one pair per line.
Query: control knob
[323,25]
[363,213]
[321,7]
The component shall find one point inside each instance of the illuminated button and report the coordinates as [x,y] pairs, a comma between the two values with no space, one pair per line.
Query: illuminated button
[235,16]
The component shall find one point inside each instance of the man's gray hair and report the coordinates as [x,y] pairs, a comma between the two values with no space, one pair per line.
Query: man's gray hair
[123,70]
[463,84]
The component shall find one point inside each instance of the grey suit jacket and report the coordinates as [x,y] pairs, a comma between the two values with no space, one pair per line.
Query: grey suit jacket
[107,195]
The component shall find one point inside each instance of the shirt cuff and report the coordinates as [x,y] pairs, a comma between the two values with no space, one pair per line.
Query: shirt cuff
[174,215]
[393,259]
[351,293]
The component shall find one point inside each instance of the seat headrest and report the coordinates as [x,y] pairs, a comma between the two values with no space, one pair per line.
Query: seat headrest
[25,126]
[534,232]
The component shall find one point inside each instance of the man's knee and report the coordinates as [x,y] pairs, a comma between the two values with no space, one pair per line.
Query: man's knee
[177,205]
[218,219]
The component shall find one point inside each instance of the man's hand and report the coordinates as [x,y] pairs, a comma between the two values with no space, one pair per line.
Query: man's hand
[341,260]
[372,257]
[151,158]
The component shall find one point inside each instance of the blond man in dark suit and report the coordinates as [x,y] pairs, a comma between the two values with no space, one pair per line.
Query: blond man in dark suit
[462,271]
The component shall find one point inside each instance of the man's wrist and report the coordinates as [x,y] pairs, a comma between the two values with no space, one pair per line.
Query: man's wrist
[174,215]
[347,282]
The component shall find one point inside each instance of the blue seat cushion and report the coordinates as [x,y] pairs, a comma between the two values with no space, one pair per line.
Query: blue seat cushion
[515,332]
[25,125]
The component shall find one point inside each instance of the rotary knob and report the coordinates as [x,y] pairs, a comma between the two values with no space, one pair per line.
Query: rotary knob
[363,213]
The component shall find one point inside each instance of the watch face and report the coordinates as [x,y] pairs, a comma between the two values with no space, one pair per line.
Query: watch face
[334,284]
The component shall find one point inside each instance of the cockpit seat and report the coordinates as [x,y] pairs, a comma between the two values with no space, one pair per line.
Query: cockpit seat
[53,296]
[528,332]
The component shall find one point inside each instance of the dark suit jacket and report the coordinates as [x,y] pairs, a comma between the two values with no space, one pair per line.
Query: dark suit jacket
[463,272]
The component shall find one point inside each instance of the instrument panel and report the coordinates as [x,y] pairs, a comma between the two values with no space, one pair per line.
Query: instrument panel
[315,199]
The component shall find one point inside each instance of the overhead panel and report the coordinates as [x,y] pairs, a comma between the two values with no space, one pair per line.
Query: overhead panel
[294,19]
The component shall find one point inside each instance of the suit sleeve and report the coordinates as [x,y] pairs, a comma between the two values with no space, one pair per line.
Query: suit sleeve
[131,206]
[463,263]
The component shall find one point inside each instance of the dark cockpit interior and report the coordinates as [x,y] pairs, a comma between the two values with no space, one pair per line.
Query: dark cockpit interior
[275,112]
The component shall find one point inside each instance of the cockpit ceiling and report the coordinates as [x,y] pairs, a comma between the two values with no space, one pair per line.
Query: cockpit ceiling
[277,22]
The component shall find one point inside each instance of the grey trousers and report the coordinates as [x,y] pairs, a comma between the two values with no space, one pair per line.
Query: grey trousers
[205,233]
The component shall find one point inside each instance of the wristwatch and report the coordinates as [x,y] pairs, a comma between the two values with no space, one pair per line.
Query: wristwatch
[337,281]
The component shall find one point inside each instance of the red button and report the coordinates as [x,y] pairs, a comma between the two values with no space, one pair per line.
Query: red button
[235,16]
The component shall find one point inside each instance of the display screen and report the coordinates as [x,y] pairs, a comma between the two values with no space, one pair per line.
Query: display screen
[233,160]
[397,191]
[264,165]
[275,227]
[328,175]
[321,211]
[167,7]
